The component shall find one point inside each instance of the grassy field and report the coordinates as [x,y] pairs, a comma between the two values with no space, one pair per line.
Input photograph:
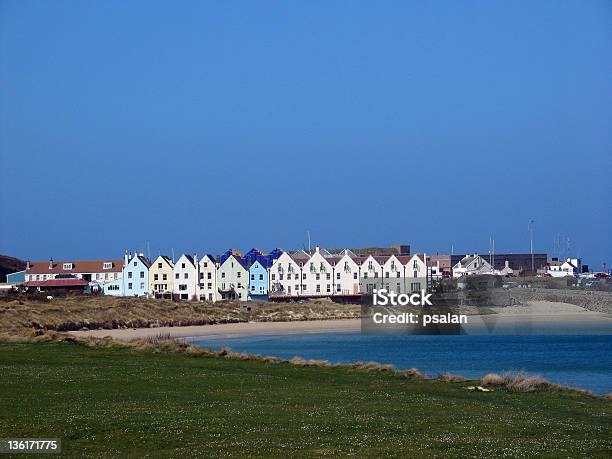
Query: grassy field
[118,402]
[75,313]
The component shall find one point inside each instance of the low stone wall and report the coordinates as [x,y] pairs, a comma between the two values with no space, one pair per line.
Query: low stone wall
[591,300]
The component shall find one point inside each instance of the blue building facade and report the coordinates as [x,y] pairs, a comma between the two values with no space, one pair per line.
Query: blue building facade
[16,278]
[259,264]
[135,275]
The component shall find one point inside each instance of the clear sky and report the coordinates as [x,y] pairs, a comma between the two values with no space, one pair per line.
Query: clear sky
[205,125]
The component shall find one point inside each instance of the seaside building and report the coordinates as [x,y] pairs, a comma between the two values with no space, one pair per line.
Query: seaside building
[233,278]
[208,279]
[186,278]
[89,270]
[161,278]
[135,275]
[471,265]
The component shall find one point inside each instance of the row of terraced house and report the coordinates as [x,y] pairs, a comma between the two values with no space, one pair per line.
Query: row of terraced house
[277,275]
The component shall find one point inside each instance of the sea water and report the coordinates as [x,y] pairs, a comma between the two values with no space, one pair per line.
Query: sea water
[578,360]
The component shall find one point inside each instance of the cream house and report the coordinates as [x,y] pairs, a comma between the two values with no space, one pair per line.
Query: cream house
[233,279]
[161,278]
[208,290]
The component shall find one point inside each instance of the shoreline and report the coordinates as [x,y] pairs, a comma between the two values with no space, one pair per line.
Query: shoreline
[536,314]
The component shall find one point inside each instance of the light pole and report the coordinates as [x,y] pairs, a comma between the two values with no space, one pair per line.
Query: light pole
[530,227]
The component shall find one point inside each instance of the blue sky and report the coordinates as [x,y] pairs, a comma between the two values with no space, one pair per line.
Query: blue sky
[205,125]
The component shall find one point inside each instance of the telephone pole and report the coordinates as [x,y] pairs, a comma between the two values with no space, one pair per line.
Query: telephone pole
[530,227]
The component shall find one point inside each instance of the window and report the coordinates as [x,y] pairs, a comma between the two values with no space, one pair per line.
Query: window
[297,287]
[155,276]
[304,276]
[201,276]
[176,275]
[209,276]
[130,286]
[261,277]
[338,276]
[415,274]
[164,277]
[338,288]
[328,288]
[135,263]
[238,274]
[182,286]
[129,274]
[398,274]
[210,286]
[186,276]
[159,265]
[239,285]
[365,275]
[318,288]
[107,265]
[354,275]
[142,285]
[273,276]
[328,276]
[318,276]
[280,277]
[142,274]
[375,274]
[253,277]
[387,274]
[206,264]
[252,288]
[67,265]
[183,265]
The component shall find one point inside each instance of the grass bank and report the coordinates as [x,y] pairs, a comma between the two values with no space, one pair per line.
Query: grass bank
[91,312]
[116,401]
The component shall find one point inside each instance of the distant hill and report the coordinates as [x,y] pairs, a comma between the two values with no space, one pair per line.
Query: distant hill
[10,265]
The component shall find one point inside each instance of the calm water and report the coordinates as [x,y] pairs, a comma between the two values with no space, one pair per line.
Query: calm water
[574,360]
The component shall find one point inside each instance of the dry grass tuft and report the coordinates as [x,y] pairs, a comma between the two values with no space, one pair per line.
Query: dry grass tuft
[412,373]
[449,377]
[492,379]
[373,366]
[608,396]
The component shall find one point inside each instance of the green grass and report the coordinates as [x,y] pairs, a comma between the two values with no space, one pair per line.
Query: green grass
[118,402]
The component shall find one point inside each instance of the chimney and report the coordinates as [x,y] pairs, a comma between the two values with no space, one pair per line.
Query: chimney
[27,265]
[51,263]
[125,258]
[317,249]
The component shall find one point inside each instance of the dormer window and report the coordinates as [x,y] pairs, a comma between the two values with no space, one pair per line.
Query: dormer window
[68,266]
[107,265]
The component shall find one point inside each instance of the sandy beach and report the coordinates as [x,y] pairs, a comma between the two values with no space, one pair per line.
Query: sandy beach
[535,314]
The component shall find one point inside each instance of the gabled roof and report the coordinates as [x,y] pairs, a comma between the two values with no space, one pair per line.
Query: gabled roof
[165,258]
[144,260]
[189,257]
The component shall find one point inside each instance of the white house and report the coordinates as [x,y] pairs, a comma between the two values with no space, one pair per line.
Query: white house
[470,265]
[317,276]
[285,275]
[345,274]
[208,279]
[570,267]
[233,279]
[186,277]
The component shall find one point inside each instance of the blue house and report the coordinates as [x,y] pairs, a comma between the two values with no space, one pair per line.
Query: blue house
[136,275]
[259,264]
[258,280]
